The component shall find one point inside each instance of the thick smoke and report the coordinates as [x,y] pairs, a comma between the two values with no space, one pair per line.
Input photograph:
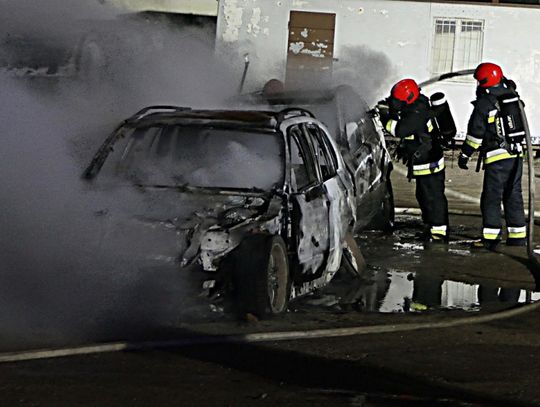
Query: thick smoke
[63,275]
[364,69]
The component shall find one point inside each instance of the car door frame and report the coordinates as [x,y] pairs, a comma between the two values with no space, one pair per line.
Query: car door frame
[310,238]
[346,203]
[341,214]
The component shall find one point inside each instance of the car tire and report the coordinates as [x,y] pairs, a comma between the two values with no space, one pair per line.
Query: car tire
[262,281]
[352,260]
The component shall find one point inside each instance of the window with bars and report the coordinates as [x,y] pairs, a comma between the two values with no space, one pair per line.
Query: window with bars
[457,44]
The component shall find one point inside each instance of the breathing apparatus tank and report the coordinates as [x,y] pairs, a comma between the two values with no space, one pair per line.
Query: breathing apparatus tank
[443,118]
[511,122]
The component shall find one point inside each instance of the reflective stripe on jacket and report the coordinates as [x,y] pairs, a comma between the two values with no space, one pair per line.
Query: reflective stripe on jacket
[482,128]
[419,145]
[427,169]
[500,154]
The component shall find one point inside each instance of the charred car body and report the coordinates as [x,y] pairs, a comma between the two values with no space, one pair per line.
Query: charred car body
[359,138]
[262,200]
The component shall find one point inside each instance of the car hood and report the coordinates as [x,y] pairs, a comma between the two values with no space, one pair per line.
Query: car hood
[164,225]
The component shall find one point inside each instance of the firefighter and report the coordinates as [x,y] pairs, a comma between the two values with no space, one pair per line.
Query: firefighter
[411,120]
[501,155]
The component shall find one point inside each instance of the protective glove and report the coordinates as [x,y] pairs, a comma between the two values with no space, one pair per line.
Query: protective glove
[446,144]
[463,160]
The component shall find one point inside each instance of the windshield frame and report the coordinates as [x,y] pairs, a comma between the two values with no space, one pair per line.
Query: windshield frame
[127,129]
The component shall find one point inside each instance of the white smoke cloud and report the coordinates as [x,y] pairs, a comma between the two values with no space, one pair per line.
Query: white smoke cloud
[53,284]
[365,69]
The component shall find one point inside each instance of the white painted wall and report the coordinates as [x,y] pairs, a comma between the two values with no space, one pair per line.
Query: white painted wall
[402,30]
[197,7]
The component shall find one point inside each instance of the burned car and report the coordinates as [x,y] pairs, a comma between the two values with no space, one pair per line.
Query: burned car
[360,139]
[261,200]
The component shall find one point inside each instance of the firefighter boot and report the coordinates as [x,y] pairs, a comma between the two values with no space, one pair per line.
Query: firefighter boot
[485,245]
[516,242]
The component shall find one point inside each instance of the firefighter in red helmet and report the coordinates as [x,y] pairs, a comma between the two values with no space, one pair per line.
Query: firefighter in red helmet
[501,151]
[411,120]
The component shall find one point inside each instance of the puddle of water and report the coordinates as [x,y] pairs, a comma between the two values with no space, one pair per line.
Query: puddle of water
[398,291]
[406,279]
[460,252]
[414,292]
[410,247]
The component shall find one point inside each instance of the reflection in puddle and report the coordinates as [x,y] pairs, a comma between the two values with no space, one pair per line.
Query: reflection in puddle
[460,252]
[399,292]
[407,275]
[396,291]
[413,292]
[459,295]
[410,247]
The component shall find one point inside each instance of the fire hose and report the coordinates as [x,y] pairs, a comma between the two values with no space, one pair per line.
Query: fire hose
[262,336]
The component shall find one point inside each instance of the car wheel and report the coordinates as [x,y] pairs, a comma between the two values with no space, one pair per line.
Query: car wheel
[261,276]
[352,260]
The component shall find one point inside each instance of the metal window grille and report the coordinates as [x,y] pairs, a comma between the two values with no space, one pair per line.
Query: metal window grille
[443,45]
[457,44]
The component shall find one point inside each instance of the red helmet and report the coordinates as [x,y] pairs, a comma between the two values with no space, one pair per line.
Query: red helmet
[488,74]
[406,90]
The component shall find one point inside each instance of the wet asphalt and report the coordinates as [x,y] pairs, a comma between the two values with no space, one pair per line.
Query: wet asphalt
[406,281]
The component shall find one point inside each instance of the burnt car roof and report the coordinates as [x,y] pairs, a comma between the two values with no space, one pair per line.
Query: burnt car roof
[164,115]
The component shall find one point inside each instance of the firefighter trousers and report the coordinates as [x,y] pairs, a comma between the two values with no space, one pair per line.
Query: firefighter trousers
[433,204]
[502,183]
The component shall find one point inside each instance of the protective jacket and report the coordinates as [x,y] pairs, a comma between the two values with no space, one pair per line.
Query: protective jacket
[419,148]
[482,132]
[502,164]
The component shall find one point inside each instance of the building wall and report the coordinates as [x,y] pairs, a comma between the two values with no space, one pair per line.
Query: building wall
[401,30]
[197,7]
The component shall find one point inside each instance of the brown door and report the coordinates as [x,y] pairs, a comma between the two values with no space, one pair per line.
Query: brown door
[310,49]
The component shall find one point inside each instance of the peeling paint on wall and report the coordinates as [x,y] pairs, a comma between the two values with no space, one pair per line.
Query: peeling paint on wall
[299,48]
[319,45]
[296,47]
[253,27]
[232,13]
[304,33]
[315,53]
